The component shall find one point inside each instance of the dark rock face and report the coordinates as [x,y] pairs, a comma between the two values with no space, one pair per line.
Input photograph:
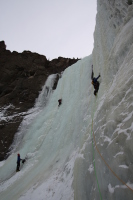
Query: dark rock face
[22,76]
[129,2]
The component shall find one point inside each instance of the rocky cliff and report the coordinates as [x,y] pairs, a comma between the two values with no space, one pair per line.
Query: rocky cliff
[22,76]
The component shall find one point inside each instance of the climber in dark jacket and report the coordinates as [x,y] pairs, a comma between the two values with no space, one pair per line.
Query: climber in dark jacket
[60,102]
[95,82]
[18,163]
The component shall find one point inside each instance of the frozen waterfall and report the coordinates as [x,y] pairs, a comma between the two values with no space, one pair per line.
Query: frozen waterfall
[55,138]
[62,159]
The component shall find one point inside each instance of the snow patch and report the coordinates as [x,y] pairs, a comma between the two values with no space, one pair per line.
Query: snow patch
[124,166]
[91,168]
[110,188]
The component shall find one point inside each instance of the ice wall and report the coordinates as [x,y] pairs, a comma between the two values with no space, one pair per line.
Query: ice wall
[113,109]
[62,160]
[52,141]
[112,36]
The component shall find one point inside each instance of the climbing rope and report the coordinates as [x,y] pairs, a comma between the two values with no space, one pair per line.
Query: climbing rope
[93,155]
[107,164]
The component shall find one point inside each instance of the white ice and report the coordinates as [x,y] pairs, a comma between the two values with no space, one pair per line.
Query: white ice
[62,160]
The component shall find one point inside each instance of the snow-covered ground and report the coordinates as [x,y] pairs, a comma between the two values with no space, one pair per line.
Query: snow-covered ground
[62,161]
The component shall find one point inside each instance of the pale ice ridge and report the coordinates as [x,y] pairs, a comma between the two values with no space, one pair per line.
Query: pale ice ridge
[112,189]
[124,166]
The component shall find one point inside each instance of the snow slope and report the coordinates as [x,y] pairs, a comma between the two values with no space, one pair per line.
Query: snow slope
[62,160]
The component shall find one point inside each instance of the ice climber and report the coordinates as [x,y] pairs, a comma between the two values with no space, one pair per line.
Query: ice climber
[95,82]
[60,102]
[18,163]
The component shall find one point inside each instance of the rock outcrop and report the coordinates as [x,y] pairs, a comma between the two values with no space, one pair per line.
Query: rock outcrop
[22,76]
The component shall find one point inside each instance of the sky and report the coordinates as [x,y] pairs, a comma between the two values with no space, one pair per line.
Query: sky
[49,27]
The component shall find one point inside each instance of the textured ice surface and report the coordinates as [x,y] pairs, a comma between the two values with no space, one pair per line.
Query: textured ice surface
[62,161]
